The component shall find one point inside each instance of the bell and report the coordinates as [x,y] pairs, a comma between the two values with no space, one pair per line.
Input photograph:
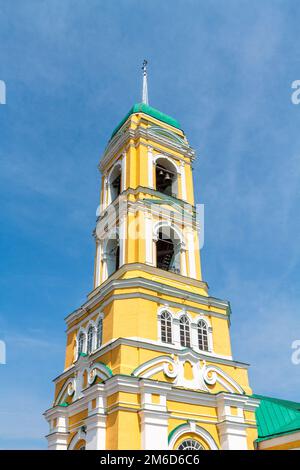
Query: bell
[161,173]
[167,177]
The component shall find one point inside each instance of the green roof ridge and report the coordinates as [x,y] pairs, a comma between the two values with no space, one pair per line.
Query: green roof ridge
[146,109]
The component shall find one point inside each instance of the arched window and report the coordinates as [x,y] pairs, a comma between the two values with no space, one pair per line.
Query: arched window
[166,177]
[166,327]
[81,343]
[112,255]
[202,335]
[190,444]
[114,183]
[90,339]
[185,338]
[168,250]
[99,332]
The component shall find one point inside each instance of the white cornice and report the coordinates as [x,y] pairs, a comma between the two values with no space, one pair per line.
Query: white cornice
[129,384]
[113,283]
[125,135]
[144,344]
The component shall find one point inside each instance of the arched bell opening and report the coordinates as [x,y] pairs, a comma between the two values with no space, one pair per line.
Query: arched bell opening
[168,250]
[114,183]
[166,177]
[112,256]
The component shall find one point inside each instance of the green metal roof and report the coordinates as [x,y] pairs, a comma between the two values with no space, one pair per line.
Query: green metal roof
[146,109]
[276,417]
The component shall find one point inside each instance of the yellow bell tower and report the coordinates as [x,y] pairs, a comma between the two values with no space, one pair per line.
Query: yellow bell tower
[148,357]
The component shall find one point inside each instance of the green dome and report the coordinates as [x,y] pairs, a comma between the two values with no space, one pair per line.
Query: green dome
[146,109]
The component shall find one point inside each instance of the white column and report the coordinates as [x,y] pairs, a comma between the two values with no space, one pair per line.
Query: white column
[105,195]
[232,428]
[104,274]
[122,237]
[123,177]
[150,168]
[194,336]
[191,253]
[176,332]
[154,430]
[58,436]
[149,239]
[57,441]
[183,181]
[183,261]
[98,263]
[96,432]
[232,436]
[154,416]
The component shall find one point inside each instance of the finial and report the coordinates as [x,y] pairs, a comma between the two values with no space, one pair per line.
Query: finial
[145,84]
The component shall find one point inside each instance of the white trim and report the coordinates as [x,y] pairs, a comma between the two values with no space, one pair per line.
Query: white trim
[149,239]
[84,349]
[191,254]
[150,168]
[183,181]
[175,169]
[203,375]
[98,263]
[191,427]
[125,134]
[118,163]
[80,435]
[96,432]
[123,172]
[166,223]
[122,238]
[166,157]
[67,390]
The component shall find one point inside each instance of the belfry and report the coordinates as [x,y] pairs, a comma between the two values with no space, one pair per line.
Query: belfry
[148,360]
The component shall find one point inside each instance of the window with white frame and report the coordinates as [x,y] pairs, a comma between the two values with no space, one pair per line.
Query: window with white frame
[202,335]
[166,327]
[185,336]
[99,332]
[90,339]
[81,341]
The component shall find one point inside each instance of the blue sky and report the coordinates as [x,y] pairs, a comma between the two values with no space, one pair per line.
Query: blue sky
[72,71]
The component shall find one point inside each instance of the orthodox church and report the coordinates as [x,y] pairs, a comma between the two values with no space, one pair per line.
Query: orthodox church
[148,361]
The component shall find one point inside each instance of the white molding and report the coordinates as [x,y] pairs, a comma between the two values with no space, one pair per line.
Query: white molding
[57,441]
[122,238]
[125,135]
[191,254]
[96,432]
[153,346]
[123,173]
[150,168]
[118,162]
[183,181]
[133,295]
[80,435]
[191,427]
[173,368]
[149,240]
[169,159]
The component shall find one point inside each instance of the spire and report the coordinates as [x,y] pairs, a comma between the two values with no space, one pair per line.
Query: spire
[145,84]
